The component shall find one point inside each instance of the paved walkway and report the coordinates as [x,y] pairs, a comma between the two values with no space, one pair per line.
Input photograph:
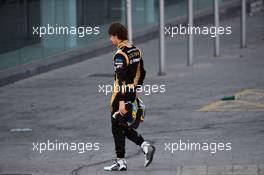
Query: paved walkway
[65,106]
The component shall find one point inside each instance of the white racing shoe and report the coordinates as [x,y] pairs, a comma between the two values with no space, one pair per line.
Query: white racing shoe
[118,165]
[149,151]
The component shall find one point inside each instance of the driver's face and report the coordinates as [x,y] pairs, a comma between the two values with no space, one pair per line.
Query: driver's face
[114,39]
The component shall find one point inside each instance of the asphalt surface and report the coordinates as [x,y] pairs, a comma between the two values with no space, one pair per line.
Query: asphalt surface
[65,105]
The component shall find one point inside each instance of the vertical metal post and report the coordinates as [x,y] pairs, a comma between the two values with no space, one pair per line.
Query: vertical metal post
[243,43]
[216,21]
[161,39]
[129,19]
[190,35]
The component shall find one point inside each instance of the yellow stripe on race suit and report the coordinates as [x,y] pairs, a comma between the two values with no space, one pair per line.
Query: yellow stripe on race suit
[114,93]
[124,43]
[137,75]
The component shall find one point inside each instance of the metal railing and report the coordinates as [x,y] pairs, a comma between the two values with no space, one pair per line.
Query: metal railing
[190,57]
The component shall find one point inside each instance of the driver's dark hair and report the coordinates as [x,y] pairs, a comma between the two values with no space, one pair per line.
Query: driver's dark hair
[117,29]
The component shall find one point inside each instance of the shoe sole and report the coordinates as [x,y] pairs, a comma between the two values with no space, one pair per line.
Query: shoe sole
[151,157]
[123,169]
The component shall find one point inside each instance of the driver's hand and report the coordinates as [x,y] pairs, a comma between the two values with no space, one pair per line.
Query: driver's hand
[122,108]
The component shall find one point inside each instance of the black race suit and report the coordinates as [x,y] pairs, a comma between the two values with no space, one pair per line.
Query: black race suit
[129,75]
